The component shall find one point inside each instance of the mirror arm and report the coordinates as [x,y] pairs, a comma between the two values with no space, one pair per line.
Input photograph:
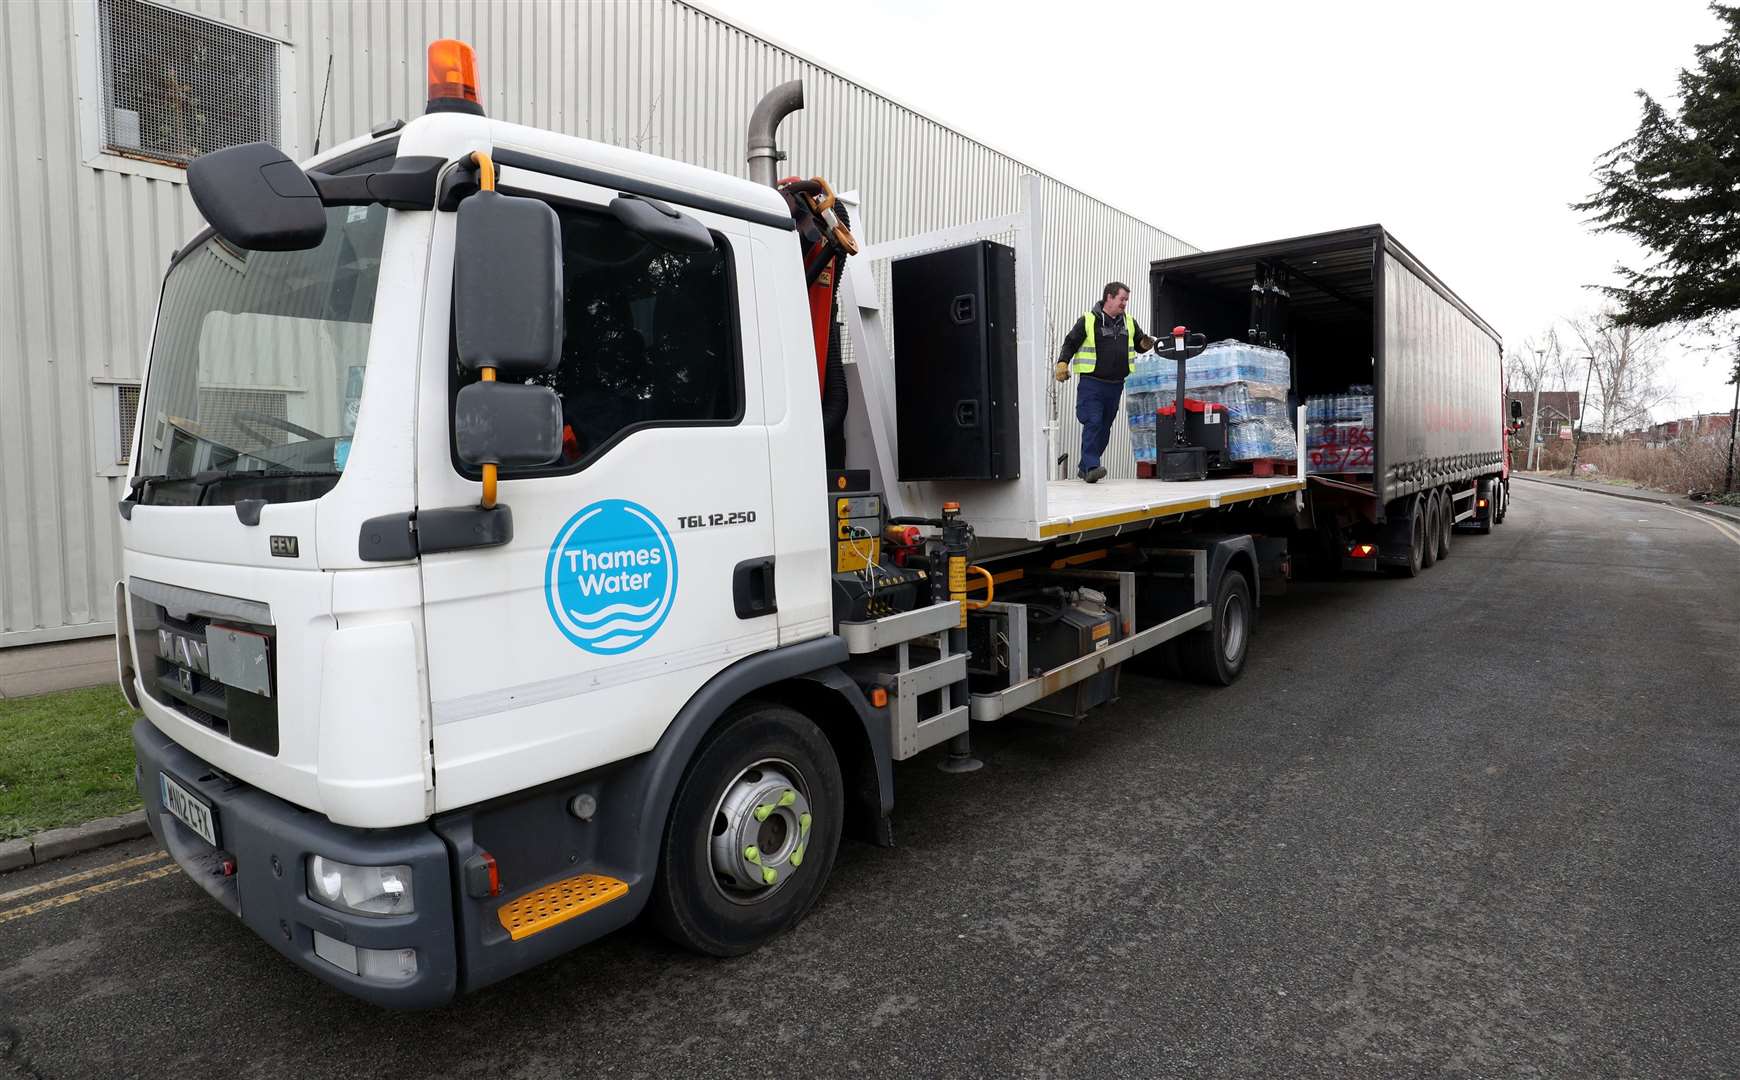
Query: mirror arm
[408,185]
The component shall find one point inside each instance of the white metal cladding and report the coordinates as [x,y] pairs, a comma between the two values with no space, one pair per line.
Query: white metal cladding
[83,249]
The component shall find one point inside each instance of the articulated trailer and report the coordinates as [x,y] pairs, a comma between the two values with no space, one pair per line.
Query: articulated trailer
[509,552]
[1356,308]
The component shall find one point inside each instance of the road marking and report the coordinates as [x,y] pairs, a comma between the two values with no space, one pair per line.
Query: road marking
[1727,530]
[90,890]
[74,879]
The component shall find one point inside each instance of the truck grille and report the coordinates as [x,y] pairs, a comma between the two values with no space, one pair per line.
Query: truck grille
[170,630]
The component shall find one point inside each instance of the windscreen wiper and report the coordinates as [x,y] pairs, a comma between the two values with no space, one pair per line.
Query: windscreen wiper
[214,477]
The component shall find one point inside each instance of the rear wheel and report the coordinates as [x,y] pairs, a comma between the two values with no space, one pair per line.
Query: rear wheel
[1216,653]
[1416,542]
[1446,522]
[1429,510]
[752,833]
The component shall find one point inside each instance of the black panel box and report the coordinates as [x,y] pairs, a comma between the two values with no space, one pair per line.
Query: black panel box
[955,378]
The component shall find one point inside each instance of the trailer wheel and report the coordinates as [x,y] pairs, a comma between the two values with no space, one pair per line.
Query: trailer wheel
[752,833]
[1216,653]
[1416,542]
[1446,522]
[1429,509]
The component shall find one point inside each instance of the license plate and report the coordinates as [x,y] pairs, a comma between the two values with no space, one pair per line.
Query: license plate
[189,809]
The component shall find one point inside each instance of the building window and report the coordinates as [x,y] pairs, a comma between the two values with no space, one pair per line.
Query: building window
[126,419]
[176,86]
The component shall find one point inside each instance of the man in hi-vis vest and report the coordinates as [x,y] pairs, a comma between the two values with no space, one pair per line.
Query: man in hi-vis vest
[1102,343]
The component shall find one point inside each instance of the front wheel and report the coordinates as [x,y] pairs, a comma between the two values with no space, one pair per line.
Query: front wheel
[1216,653]
[752,833]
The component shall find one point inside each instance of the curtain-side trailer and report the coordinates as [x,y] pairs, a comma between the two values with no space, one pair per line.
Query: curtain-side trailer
[1353,309]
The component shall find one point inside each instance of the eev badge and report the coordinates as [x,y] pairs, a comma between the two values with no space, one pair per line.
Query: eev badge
[611,577]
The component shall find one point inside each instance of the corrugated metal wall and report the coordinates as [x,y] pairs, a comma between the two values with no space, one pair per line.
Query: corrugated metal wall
[82,248]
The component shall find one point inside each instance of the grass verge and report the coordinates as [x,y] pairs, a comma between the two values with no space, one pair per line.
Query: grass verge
[65,759]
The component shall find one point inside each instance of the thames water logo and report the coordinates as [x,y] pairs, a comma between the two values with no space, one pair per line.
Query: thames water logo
[611,577]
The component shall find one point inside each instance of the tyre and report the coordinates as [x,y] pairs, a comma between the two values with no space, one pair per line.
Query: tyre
[1216,653]
[1416,543]
[1431,509]
[752,832]
[1446,522]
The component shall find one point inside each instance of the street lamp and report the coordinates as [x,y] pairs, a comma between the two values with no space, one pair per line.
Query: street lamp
[1733,426]
[1582,403]
[1533,455]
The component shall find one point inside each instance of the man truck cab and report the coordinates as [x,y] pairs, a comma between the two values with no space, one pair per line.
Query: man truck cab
[487,580]
[334,641]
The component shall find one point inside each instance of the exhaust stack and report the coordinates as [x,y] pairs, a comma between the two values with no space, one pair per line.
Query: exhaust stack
[764,155]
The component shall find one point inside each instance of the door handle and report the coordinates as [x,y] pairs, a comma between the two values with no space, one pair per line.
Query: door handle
[967,412]
[752,588]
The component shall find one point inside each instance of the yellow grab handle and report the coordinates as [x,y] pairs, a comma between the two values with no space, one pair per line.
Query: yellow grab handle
[990,589]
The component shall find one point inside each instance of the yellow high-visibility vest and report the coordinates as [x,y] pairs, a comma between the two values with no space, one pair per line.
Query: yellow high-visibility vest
[1088,355]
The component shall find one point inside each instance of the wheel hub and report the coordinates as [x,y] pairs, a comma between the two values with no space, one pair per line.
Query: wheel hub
[761,830]
[1233,622]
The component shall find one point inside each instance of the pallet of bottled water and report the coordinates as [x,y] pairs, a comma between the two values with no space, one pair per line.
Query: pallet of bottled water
[1250,381]
[1340,435]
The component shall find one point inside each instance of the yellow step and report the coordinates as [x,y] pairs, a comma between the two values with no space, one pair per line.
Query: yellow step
[555,904]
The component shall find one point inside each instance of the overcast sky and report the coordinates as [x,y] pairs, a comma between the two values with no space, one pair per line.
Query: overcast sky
[1466,128]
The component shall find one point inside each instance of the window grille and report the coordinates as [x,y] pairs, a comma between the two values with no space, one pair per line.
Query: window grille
[176,86]
[126,418]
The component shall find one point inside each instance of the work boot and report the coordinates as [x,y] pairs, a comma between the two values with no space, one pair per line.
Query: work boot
[1095,474]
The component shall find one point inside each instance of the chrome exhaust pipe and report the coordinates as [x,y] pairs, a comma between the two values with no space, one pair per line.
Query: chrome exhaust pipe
[774,107]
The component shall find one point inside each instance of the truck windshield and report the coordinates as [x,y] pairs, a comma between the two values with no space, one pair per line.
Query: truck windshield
[257,367]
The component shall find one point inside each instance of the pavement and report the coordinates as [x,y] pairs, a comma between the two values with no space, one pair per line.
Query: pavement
[61,665]
[1479,823]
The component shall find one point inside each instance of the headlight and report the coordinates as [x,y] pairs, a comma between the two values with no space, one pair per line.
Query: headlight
[362,890]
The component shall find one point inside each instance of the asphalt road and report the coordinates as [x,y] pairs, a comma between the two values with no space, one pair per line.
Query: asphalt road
[1481,823]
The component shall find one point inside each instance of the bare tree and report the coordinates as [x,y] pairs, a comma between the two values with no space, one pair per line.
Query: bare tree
[1541,364]
[1625,370]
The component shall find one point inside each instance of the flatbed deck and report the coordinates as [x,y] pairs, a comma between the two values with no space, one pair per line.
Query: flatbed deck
[1074,507]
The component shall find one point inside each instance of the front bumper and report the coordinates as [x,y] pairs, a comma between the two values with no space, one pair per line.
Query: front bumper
[270,840]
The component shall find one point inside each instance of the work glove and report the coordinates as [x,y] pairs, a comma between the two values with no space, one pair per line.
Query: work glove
[1145,344]
[1062,371]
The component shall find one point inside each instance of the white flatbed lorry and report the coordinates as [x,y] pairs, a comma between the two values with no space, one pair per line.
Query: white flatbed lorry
[481,588]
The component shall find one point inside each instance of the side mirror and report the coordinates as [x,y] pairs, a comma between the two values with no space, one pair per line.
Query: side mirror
[507,424]
[1515,409]
[257,199]
[507,285]
[663,225]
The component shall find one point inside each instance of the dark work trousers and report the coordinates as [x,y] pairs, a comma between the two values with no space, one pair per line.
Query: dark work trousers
[1096,406]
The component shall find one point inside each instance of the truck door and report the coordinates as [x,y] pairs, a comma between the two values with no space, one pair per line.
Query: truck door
[642,563]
